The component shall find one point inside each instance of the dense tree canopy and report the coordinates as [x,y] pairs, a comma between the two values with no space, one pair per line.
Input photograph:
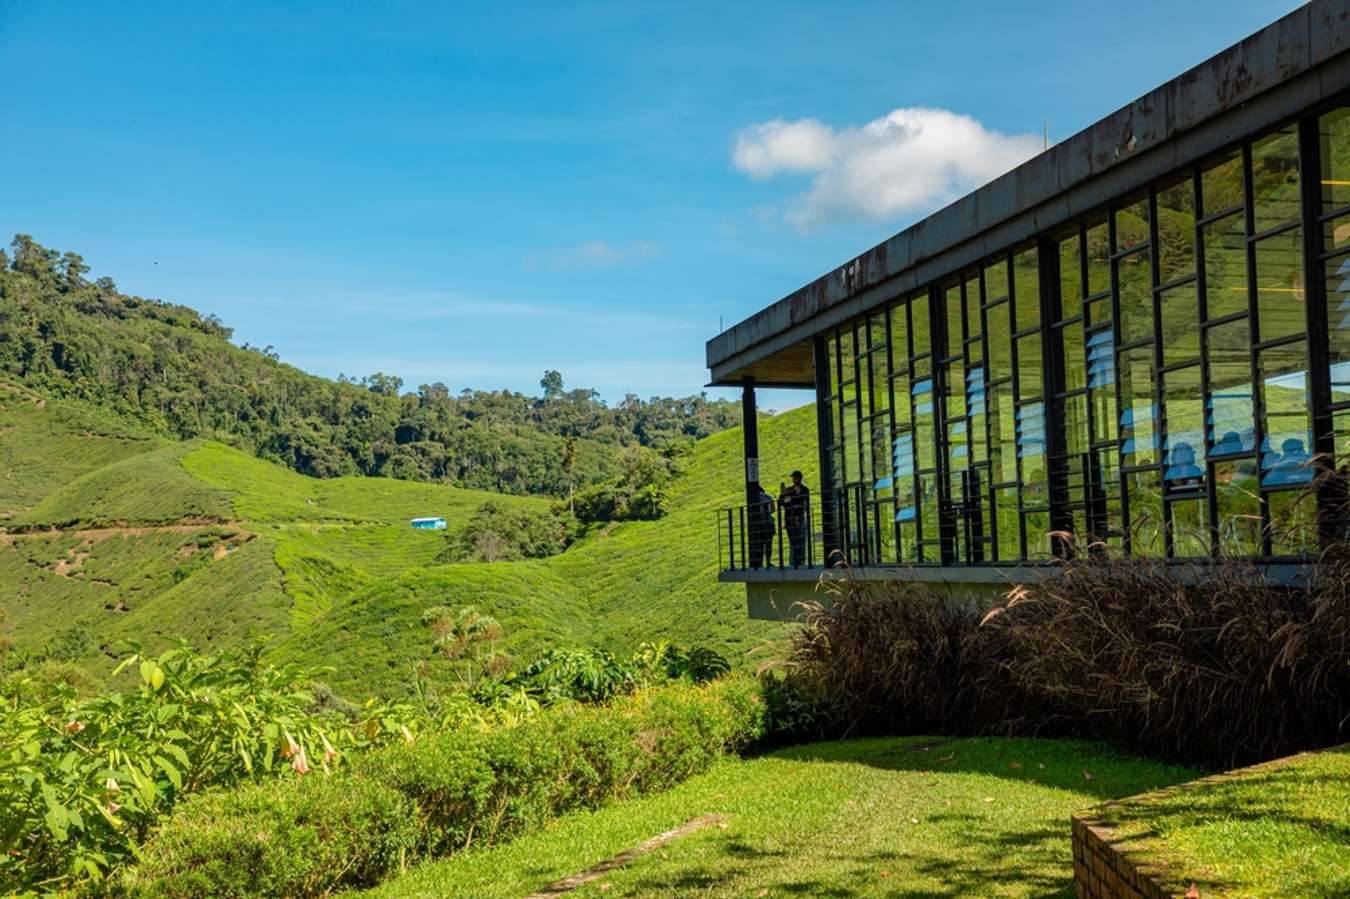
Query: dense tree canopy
[176,372]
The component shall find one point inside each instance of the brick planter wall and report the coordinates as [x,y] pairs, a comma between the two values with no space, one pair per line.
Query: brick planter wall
[1102,872]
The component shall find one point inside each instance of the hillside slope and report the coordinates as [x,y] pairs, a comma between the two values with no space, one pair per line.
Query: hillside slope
[131,537]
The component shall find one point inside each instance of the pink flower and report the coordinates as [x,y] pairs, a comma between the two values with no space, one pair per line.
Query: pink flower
[291,747]
[300,764]
[74,727]
[112,808]
[329,753]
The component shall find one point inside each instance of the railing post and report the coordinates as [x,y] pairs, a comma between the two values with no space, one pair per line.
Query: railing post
[744,557]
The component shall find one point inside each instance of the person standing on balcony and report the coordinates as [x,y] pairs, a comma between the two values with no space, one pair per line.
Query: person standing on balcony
[760,515]
[795,501]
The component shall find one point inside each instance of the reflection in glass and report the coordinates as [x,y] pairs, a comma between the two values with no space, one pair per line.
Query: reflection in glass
[900,337]
[1074,356]
[919,326]
[955,329]
[972,292]
[1006,519]
[1293,522]
[1132,225]
[1229,409]
[996,281]
[1338,326]
[1180,310]
[1190,529]
[1136,298]
[1239,508]
[1098,259]
[1183,412]
[1225,267]
[1176,231]
[1029,366]
[1335,153]
[1144,495]
[1139,412]
[1026,285]
[1285,452]
[1070,276]
[1275,193]
[1003,433]
[1279,285]
[1221,184]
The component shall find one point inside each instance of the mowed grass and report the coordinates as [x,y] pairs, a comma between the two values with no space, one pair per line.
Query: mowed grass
[1274,831]
[879,817]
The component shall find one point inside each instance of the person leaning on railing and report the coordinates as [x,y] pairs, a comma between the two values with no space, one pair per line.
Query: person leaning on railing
[794,501]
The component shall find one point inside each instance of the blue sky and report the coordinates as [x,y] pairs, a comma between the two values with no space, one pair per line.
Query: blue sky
[474,193]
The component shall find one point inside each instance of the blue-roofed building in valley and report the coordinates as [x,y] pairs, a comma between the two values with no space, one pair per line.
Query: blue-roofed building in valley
[429,524]
[1137,340]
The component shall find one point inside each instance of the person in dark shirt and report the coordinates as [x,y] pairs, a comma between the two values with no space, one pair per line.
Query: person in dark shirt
[761,528]
[795,501]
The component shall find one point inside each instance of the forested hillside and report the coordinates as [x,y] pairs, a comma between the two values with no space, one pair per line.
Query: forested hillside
[176,373]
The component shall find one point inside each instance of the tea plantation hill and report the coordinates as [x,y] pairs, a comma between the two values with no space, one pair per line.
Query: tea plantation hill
[113,533]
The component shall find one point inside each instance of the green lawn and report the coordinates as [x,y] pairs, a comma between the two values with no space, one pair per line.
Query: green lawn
[878,817]
[1273,831]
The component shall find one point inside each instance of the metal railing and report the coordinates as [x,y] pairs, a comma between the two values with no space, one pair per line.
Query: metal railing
[843,527]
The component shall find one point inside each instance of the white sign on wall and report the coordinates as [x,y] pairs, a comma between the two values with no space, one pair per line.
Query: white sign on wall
[752,470]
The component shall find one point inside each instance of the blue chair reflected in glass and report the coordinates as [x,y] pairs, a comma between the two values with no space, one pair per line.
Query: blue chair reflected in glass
[1182,473]
[1231,442]
[1290,466]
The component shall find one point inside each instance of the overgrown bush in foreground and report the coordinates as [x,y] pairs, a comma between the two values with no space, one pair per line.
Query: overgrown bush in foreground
[441,794]
[83,781]
[1207,664]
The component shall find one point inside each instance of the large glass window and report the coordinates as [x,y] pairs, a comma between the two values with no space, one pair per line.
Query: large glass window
[1170,369]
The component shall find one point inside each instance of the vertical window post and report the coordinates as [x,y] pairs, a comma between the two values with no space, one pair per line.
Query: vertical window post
[824,441]
[1330,498]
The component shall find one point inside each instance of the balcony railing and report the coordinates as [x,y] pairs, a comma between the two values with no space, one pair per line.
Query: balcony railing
[832,530]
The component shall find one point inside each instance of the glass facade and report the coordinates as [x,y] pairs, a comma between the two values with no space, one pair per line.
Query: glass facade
[1168,377]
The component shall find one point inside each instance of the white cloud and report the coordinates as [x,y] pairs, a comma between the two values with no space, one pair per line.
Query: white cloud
[913,159]
[592,254]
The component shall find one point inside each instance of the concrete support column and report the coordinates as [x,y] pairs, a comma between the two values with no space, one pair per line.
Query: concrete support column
[750,433]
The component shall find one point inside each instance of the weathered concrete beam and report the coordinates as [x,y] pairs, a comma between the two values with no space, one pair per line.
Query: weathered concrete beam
[1276,73]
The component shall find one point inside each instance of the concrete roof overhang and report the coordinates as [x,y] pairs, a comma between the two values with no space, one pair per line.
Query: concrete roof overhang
[1289,66]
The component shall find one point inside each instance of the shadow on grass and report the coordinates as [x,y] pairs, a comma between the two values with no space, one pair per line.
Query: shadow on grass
[1029,862]
[1092,769]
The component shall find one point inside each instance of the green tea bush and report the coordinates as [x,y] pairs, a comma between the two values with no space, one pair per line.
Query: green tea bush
[452,790]
[296,837]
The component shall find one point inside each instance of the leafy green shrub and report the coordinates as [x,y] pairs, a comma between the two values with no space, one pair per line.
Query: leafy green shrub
[302,837]
[639,494]
[84,781]
[447,778]
[455,789]
[501,533]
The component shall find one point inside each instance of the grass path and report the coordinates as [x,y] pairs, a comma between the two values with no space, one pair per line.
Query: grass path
[861,818]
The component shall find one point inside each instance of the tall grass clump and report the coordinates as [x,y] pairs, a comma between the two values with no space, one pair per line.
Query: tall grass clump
[1208,664]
